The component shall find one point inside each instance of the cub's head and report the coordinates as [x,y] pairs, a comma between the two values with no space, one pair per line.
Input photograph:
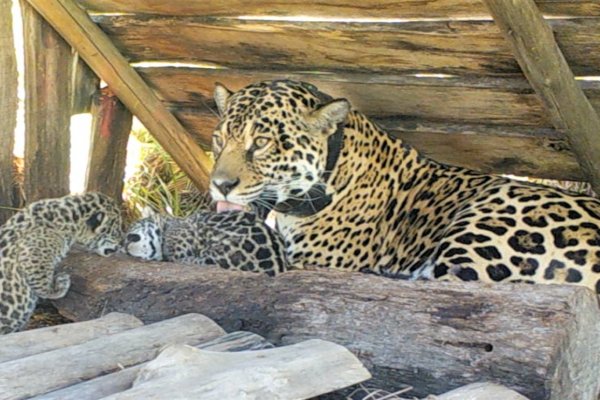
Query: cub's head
[144,239]
[102,232]
[271,143]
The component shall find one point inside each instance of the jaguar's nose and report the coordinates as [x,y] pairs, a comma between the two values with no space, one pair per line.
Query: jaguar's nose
[225,186]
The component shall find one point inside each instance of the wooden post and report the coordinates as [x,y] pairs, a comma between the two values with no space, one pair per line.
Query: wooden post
[111,125]
[8,108]
[547,70]
[102,56]
[47,108]
[85,83]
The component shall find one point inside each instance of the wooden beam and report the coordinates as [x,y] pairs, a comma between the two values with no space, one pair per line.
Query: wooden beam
[545,67]
[542,343]
[111,125]
[101,55]
[85,84]
[48,63]
[8,109]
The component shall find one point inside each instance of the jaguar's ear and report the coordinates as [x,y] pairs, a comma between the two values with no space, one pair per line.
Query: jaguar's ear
[95,220]
[327,117]
[221,96]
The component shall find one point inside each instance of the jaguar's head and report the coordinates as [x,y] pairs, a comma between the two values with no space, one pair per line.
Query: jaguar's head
[271,144]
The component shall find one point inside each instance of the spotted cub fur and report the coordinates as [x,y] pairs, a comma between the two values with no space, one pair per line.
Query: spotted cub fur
[231,240]
[36,239]
[348,195]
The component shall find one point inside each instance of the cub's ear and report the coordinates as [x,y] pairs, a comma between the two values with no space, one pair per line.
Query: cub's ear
[327,117]
[221,96]
[95,220]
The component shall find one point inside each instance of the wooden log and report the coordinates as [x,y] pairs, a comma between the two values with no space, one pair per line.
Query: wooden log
[440,47]
[547,69]
[517,150]
[8,109]
[48,63]
[414,9]
[99,356]
[85,84]
[300,371]
[101,55]
[22,344]
[539,340]
[116,382]
[480,391]
[111,125]
[482,100]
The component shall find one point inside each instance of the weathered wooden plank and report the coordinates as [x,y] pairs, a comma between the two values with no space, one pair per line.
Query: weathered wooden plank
[548,71]
[434,335]
[99,356]
[299,371]
[111,125]
[116,382]
[100,54]
[85,84]
[48,65]
[8,108]
[23,344]
[331,8]
[506,101]
[499,149]
[450,47]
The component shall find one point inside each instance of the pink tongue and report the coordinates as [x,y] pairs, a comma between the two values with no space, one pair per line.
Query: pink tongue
[227,206]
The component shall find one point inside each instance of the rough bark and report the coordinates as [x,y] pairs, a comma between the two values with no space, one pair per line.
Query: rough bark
[299,371]
[105,354]
[538,340]
[8,109]
[48,65]
[36,341]
[111,125]
[116,382]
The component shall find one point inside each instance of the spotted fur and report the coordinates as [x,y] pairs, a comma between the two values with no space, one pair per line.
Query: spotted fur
[231,240]
[391,210]
[36,239]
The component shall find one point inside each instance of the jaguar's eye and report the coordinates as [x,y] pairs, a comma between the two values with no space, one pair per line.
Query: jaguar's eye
[261,142]
[217,141]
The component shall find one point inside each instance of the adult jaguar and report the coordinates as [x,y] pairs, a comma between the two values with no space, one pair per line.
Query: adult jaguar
[350,196]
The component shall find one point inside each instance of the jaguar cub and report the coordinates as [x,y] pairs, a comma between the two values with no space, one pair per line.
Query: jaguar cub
[231,240]
[36,239]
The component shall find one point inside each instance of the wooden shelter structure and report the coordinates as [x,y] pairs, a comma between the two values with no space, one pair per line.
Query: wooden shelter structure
[498,86]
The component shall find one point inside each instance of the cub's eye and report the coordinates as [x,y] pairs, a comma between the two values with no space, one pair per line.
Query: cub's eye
[261,142]
[217,141]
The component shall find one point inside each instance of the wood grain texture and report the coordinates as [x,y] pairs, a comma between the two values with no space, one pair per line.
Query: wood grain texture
[85,84]
[299,371]
[547,68]
[332,8]
[8,108]
[48,67]
[450,47]
[99,53]
[111,125]
[23,344]
[538,340]
[119,381]
[505,101]
[498,149]
[99,356]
